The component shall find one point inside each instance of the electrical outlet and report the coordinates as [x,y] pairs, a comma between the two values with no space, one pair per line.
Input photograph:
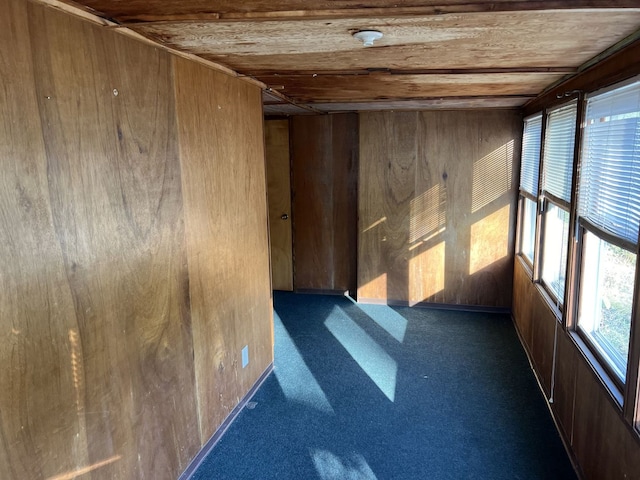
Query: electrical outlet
[245,356]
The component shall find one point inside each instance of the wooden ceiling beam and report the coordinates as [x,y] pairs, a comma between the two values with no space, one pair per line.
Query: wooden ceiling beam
[288,100]
[448,103]
[154,15]
[271,76]
[460,103]
[356,88]
[432,99]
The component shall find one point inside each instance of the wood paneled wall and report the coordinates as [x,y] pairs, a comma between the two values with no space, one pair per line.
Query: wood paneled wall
[133,251]
[324,152]
[437,197]
[224,184]
[602,445]
[533,319]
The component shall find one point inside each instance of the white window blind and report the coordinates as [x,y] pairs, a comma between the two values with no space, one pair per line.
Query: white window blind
[558,151]
[609,193]
[530,164]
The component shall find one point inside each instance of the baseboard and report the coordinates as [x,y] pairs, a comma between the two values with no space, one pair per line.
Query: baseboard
[565,443]
[215,438]
[321,291]
[438,306]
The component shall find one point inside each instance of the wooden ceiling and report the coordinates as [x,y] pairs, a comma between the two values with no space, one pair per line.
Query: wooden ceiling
[446,54]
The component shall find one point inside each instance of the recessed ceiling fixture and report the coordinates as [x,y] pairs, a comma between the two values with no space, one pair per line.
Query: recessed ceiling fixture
[368,36]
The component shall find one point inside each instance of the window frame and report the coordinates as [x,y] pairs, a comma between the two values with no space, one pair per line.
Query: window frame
[559,305]
[625,394]
[584,227]
[524,194]
[609,73]
[522,199]
[546,201]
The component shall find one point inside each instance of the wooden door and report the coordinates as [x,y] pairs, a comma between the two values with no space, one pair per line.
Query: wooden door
[279,194]
[324,166]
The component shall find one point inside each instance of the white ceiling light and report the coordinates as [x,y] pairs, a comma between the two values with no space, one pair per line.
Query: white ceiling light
[368,36]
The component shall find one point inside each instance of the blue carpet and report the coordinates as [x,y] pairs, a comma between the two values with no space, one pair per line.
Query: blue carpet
[364,392]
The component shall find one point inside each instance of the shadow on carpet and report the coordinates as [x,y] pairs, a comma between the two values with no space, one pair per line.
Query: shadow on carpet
[365,392]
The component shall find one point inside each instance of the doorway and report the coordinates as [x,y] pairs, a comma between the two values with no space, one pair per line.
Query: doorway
[279,195]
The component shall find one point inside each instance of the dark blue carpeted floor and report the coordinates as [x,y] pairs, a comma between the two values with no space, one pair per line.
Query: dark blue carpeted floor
[363,392]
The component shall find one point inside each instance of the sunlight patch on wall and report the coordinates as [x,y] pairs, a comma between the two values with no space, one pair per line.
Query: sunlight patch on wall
[427,214]
[296,381]
[371,357]
[376,288]
[386,317]
[77,370]
[492,176]
[489,239]
[331,467]
[84,470]
[375,224]
[426,273]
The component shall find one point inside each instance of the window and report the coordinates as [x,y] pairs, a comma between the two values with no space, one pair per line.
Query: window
[606,297]
[529,185]
[557,171]
[554,249]
[609,218]
[528,228]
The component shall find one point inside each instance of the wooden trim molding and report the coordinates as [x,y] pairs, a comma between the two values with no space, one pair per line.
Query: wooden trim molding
[619,66]
[362,10]
[215,438]
[436,306]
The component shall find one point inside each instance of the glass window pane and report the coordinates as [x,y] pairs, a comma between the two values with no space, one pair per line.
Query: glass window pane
[528,228]
[557,166]
[531,154]
[554,253]
[606,296]
[610,173]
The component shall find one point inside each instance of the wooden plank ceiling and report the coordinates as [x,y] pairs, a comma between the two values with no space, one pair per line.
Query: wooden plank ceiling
[445,54]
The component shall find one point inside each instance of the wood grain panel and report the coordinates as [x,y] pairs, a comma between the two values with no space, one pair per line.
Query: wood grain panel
[279,194]
[386,188]
[138,10]
[476,154]
[224,185]
[451,103]
[565,384]
[561,38]
[522,301]
[278,109]
[436,207]
[324,153]
[42,431]
[603,444]
[355,88]
[99,374]
[543,326]
[115,193]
